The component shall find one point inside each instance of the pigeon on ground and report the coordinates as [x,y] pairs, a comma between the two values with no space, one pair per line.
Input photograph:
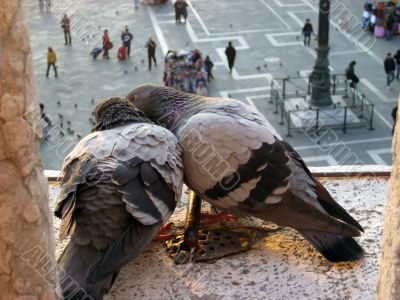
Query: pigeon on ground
[62,133]
[235,160]
[59,103]
[60,116]
[68,122]
[76,105]
[118,185]
[258,68]
[92,101]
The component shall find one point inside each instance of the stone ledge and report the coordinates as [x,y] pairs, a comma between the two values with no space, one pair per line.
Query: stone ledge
[280,265]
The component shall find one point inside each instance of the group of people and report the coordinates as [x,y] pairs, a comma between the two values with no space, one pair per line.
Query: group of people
[381,18]
[186,71]
[180,10]
[391,66]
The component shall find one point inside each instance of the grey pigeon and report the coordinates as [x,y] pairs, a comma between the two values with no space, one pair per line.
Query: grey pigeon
[118,186]
[235,160]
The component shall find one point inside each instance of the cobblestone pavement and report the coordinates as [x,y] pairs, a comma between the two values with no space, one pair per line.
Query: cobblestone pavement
[263,32]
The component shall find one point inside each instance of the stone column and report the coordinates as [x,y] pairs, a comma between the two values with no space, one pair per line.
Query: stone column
[27,257]
[389,265]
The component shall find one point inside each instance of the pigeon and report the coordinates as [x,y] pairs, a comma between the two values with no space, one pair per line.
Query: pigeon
[236,161]
[79,136]
[125,72]
[59,103]
[258,68]
[60,116]
[62,133]
[70,131]
[61,125]
[68,122]
[265,65]
[118,186]
[92,101]
[136,68]
[76,105]
[92,121]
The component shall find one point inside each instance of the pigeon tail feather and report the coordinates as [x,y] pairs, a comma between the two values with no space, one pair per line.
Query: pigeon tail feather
[73,265]
[333,247]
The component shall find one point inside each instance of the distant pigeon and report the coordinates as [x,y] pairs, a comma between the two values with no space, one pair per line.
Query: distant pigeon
[230,25]
[142,60]
[68,122]
[62,133]
[258,68]
[61,125]
[79,136]
[92,101]
[258,174]
[265,65]
[125,72]
[59,103]
[92,121]
[60,116]
[70,131]
[297,37]
[118,186]
[281,64]
[136,68]
[76,105]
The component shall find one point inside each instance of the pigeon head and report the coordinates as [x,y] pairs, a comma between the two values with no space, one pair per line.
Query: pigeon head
[142,98]
[114,112]
[162,104]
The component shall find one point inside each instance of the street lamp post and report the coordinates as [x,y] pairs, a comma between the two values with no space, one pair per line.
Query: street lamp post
[320,79]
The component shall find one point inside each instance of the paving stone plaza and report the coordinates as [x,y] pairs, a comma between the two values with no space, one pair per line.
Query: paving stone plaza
[267,38]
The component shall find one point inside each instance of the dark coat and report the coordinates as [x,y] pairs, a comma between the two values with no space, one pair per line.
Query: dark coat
[307,29]
[389,65]
[230,53]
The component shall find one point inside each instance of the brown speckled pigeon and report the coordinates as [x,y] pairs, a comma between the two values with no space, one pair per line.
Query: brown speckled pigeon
[118,186]
[234,160]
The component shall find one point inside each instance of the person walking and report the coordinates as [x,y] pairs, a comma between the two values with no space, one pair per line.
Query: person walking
[151,51]
[351,75]
[184,10]
[394,116]
[389,27]
[107,45]
[307,31]
[390,67]
[209,65]
[51,61]
[230,53]
[178,10]
[127,38]
[397,59]
[65,24]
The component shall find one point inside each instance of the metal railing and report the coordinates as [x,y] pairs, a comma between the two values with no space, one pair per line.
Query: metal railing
[355,111]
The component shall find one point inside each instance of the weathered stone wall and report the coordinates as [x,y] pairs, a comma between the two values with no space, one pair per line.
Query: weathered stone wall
[389,269]
[26,238]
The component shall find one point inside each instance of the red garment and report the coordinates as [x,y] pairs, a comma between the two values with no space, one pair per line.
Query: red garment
[106,39]
[121,53]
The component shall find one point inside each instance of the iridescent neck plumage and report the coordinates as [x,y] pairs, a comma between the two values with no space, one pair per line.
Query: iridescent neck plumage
[173,106]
